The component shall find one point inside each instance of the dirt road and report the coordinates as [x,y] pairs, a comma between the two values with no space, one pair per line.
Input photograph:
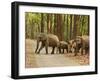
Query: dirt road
[46,60]
[54,60]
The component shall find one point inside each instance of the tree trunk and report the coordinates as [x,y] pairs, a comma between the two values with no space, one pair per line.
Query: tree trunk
[48,23]
[51,21]
[42,23]
[88,25]
[55,24]
[76,23]
[59,24]
[70,26]
[67,27]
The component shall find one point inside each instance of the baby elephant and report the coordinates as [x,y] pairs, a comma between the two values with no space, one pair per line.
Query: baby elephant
[62,46]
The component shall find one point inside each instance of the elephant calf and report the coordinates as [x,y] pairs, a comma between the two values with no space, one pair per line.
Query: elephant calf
[70,42]
[47,40]
[62,46]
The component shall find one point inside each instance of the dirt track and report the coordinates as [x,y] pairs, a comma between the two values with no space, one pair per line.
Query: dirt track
[33,60]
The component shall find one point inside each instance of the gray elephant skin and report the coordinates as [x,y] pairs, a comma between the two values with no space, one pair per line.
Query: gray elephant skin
[81,42]
[47,40]
[63,45]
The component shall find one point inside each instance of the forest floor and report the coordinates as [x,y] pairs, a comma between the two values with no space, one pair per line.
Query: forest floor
[33,60]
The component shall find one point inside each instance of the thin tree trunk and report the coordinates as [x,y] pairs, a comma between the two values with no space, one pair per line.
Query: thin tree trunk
[75,26]
[51,23]
[88,25]
[42,23]
[48,23]
[55,24]
[59,24]
[67,27]
[70,26]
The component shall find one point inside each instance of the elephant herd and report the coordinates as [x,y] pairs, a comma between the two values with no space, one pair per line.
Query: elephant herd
[71,46]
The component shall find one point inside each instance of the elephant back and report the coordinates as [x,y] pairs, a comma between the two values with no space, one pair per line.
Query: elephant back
[63,44]
[85,41]
[53,40]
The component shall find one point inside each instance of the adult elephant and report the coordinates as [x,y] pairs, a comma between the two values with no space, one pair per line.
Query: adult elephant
[81,42]
[85,44]
[47,40]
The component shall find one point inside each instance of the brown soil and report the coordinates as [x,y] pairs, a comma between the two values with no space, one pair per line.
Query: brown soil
[33,60]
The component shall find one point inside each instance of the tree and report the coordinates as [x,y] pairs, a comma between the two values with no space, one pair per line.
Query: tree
[49,23]
[59,26]
[75,26]
[65,26]
[88,20]
[42,22]
[55,24]
[71,26]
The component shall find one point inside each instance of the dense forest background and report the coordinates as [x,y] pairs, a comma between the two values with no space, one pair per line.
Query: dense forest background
[65,26]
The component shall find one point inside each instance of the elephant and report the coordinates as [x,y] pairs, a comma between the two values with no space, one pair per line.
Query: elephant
[62,46]
[81,42]
[70,43]
[47,40]
[76,46]
[85,44]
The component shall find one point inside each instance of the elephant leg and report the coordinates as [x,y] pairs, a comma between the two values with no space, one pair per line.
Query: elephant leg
[66,50]
[46,48]
[53,50]
[82,51]
[69,51]
[76,51]
[86,51]
[37,47]
[40,49]
[63,51]
[59,50]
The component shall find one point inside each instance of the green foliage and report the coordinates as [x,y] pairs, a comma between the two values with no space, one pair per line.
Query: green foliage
[63,25]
